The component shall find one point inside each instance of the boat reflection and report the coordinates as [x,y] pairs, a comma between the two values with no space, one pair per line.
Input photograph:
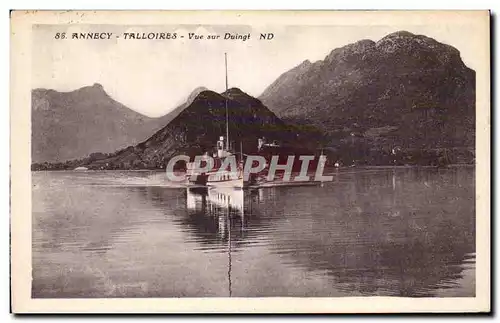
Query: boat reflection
[225,206]
[401,232]
[383,233]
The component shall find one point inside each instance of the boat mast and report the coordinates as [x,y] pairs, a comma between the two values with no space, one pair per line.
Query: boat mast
[241,151]
[227,115]
[229,267]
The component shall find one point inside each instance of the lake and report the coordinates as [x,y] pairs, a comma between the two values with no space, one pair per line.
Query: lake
[398,232]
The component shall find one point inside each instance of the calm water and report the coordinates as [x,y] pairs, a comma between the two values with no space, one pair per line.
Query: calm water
[401,232]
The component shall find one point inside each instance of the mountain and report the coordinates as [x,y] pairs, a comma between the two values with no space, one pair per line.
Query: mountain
[363,103]
[197,128]
[69,125]
[404,90]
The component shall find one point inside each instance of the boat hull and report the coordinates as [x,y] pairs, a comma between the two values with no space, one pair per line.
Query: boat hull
[232,183]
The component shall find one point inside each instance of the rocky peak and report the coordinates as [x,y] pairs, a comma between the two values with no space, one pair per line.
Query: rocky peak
[96,90]
[419,46]
[195,93]
[305,63]
[359,47]
[235,93]
[401,79]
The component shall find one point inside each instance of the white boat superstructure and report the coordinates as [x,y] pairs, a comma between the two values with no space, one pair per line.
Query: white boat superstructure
[225,179]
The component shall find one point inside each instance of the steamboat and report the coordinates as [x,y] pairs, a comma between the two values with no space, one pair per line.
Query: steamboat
[225,167]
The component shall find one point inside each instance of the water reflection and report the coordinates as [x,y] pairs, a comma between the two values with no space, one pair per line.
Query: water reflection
[215,211]
[396,232]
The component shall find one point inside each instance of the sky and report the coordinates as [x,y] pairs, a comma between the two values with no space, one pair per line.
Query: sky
[155,76]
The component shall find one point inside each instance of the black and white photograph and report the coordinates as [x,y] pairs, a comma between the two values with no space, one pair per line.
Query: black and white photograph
[299,156]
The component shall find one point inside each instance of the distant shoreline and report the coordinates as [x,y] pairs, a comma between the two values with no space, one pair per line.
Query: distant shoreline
[327,169]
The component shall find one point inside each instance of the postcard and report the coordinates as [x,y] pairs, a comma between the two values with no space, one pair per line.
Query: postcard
[250,161]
